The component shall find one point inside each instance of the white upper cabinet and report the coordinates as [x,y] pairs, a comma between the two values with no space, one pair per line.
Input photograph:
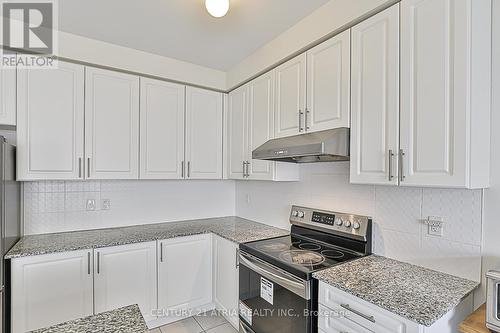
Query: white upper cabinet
[204,119]
[375,99]
[184,274]
[50,123]
[328,84]
[111,124]
[126,275]
[236,131]
[260,124]
[162,129]
[7,97]
[445,92]
[51,289]
[291,97]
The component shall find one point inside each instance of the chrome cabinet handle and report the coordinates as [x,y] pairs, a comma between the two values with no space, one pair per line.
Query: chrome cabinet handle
[189,169]
[182,169]
[300,120]
[367,317]
[161,252]
[306,117]
[401,168]
[98,263]
[79,167]
[391,156]
[244,170]
[88,167]
[237,258]
[88,263]
[248,169]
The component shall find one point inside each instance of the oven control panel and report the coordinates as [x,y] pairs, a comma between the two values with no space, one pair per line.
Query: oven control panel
[339,223]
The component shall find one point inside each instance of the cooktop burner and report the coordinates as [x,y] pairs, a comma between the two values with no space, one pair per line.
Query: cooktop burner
[274,247]
[333,254]
[301,257]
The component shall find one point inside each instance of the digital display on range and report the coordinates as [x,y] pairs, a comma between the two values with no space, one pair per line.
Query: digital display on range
[323,218]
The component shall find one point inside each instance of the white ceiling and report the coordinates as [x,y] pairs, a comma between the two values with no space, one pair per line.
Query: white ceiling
[182,29]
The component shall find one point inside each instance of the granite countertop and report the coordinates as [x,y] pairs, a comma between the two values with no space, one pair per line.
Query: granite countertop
[233,228]
[124,320]
[413,292]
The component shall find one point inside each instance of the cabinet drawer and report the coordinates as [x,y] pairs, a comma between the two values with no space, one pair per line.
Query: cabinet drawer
[363,313]
[331,321]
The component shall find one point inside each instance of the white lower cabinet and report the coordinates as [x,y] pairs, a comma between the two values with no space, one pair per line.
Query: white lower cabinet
[126,275]
[343,312]
[7,97]
[226,278]
[184,275]
[50,289]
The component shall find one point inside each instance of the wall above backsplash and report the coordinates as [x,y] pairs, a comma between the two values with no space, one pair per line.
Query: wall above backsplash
[398,212]
[58,206]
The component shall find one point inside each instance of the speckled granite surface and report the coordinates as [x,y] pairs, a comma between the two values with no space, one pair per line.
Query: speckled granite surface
[413,292]
[233,228]
[124,320]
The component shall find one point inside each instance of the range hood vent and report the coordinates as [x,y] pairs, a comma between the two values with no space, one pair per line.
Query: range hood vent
[325,146]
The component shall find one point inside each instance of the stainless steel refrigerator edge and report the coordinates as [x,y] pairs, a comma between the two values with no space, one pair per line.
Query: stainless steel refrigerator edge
[10,230]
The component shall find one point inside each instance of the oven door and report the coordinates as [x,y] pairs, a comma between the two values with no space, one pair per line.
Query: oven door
[272,300]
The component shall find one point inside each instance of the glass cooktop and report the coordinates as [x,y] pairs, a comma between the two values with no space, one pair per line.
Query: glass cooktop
[298,255]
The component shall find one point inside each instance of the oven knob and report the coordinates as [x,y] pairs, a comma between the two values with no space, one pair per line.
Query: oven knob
[347,223]
[356,225]
[339,222]
[295,213]
[300,214]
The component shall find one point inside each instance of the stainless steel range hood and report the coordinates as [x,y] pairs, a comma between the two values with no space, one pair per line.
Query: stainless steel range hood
[325,146]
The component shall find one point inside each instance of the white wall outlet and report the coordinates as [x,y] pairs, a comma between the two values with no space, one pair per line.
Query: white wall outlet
[435,225]
[106,204]
[90,204]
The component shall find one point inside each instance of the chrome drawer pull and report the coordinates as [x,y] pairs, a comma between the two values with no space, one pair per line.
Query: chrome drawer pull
[348,308]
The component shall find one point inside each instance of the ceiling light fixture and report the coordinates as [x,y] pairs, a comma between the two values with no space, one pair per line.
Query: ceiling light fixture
[217,8]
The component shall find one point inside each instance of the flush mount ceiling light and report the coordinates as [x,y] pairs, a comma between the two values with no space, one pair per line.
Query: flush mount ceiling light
[217,8]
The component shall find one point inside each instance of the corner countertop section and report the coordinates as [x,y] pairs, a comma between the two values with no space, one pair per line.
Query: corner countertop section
[413,292]
[124,320]
[233,228]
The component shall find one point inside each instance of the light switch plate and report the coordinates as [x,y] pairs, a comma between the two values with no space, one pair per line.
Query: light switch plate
[90,204]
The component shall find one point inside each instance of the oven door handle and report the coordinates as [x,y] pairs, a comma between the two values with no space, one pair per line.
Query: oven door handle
[287,281]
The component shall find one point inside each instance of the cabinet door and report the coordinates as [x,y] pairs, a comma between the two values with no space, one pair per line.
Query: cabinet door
[203,134]
[50,289]
[290,97]
[260,123]
[375,99]
[111,124]
[433,77]
[226,293]
[162,129]
[50,122]
[237,132]
[328,84]
[184,274]
[126,275]
[7,96]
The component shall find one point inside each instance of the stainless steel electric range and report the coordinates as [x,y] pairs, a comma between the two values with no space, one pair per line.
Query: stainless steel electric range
[277,292]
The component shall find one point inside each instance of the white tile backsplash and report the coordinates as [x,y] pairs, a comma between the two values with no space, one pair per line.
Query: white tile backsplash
[398,213]
[58,206]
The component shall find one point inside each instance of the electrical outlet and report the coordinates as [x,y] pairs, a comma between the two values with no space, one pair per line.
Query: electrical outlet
[90,204]
[435,226]
[106,204]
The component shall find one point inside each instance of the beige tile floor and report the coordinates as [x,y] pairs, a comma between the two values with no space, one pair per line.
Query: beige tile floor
[209,322]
